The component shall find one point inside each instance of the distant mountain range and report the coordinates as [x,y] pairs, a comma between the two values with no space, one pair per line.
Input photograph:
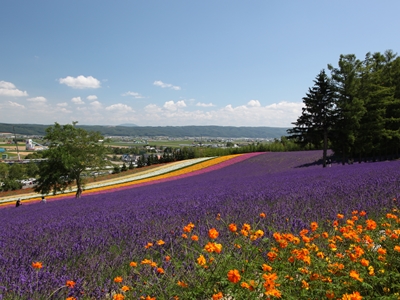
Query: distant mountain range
[153,131]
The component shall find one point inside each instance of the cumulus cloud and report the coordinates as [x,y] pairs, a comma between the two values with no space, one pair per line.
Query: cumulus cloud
[9,89]
[133,94]
[254,103]
[166,85]
[77,100]
[37,99]
[91,97]
[63,104]
[96,104]
[204,104]
[15,104]
[80,82]
[119,107]
[171,105]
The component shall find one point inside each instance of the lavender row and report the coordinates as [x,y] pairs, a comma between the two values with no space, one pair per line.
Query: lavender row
[88,240]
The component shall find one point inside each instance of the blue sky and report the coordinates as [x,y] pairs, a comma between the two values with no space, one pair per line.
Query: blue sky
[176,63]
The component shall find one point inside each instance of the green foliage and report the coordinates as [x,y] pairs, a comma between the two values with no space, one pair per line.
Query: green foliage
[72,150]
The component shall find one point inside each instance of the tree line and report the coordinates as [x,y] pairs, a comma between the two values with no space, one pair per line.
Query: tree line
[354,110]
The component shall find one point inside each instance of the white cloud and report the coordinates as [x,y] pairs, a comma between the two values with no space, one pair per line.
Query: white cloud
[152,108]
[9,89]
[37,99]
[15,104]
[91,97]
[170,105]
[254,103]
[166,85]
[63,104]
[80,82]
[77,100]
[119,107]
[204,104]
[96,104]
[133,94]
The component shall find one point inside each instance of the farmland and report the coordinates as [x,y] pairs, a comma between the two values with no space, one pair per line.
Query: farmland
[91,240]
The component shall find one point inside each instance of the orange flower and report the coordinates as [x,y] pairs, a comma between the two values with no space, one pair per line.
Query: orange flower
[195,238]
[70,298]
[340,216]
[353,296]
[133,264]
[362,213]
[70,284]
[184,236]
[234,276]
[364,262]
[330,295]
[167,258]
[218,217]
[160,242]
[266,268]
[232,227]
[262,215]
[188,227]
[305,285]
[217,296]
[160,271]
[246,227]
[148,245]
[125,288]
[397,248]
[37,265]
[118,279]
[182,284]
[213,233]
[314,226]
[272,256]
[201,260]
[371,224]
[119,297]
[354,274]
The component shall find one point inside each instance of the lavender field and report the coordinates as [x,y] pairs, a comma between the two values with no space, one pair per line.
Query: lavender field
[91,240]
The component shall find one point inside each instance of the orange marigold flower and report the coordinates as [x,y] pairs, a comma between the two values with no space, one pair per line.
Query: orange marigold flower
[213,233]
[397,248]
[160,271]
[234,276]
[244,232]
[272,256]
[325,235]
[184,236]
[118,297]
[153,264]
[232,227]
[133,264]
[330,295]
[259,233]
[167,258]
[340,216]
[148,245]
[217,296]
[182,284]
[118,279]
[262,215]
[148,298]
[314,226]
[37,265]
[160,242]
[125,288]
[146,261]
[195,238]
[246,227]
[70,298]
[364,262]
[362,213]
[371,224]
[354,274]
[218,217]
[305,285]
[352,296]
[266,268]
[70,283]
[201,260]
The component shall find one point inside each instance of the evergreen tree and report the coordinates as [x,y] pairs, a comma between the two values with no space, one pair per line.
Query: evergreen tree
[318,115]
